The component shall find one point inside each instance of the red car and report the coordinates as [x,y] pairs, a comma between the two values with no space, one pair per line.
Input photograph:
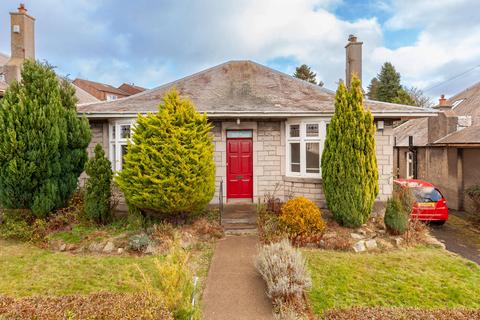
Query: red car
[430,204]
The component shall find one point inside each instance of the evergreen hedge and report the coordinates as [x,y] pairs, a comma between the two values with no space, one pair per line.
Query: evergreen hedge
[98,190]
[42,141]
[349,164]
[169,167]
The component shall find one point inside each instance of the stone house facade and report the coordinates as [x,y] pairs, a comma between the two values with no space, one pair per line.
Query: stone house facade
[274,122]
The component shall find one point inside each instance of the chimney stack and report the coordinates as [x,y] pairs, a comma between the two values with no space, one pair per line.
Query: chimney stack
[353,59]
[22,31]
[442,101]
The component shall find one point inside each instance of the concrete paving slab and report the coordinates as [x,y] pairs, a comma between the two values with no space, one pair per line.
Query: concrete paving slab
[234,289]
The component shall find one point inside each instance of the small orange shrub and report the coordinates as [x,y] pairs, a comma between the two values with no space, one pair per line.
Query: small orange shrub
[301,217]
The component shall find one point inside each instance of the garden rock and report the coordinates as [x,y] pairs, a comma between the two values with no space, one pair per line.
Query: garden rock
[359,246]
[356,236]
[109,247]
[430,240]
[371,244]
[95,247]
[120,250]
[151,249]
[398,241]
[62,247]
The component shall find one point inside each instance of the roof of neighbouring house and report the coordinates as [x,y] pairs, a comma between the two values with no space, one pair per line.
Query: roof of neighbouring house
[100,86]
[131,89]
[82,95]
[464,103]
[244,88]
[469,135]
[417,128]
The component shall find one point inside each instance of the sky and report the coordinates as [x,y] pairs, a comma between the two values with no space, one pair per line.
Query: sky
[150,43]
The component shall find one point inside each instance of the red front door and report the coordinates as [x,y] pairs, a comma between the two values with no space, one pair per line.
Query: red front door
[239,168]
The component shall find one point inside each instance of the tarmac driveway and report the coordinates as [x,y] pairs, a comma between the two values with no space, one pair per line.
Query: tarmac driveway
[459,235]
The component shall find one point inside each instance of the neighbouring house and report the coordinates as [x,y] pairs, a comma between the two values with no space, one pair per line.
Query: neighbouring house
[444,150]
[106,92]
[22,31]
[269,127]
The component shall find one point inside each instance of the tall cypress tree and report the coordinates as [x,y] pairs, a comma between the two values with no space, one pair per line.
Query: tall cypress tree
[42,141]
[349,164]
[169,167]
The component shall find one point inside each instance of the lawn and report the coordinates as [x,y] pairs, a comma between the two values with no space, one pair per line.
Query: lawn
[27,270]
[421,277]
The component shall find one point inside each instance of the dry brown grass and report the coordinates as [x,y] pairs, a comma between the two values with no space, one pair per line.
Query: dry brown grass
[93,306]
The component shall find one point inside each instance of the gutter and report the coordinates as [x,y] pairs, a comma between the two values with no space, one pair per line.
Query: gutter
[263,114]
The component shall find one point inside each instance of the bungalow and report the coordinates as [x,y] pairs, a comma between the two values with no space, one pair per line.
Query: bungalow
[269,128]
[444,150]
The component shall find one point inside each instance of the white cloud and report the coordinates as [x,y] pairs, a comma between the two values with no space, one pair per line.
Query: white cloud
[150,43]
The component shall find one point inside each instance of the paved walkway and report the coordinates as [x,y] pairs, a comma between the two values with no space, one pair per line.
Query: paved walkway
[459,236]
[234,289]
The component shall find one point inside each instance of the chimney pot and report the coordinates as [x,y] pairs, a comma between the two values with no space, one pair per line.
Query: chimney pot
[22,9]
[352,38]
[442,101]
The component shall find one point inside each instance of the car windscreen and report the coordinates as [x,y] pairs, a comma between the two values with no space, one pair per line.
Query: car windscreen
[426,194]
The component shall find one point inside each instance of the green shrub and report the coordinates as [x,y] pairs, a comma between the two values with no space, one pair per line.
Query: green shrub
[98,190]
[174,283]
[139,242]
[398,210]
[286,276]
[349,163]
[396,219]
[43,141]
[18,224]
[169,167]
[301,217]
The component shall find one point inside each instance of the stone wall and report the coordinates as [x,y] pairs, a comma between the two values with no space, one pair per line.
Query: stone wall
[269,162]
[384,147]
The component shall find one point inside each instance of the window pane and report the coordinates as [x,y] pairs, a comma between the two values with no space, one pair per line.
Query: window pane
[313,157]
[294,130]
[125,131]
[113,131]
[239,133]
[295,157]
[114,156]
[124,152]
[312,130]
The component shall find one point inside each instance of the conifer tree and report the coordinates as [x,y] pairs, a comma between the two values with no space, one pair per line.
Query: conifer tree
[42,141]
[349,164]
[169,167]
[372,92]
[98,190]
[305,73]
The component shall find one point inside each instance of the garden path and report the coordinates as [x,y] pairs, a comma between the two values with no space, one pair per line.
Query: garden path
[234,289]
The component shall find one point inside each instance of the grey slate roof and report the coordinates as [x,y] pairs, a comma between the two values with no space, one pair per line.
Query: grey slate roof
[244,88]
[470,135]
[468,103]
[417,128]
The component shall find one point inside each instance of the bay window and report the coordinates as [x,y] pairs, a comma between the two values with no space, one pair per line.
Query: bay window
[120,132]
[305,141]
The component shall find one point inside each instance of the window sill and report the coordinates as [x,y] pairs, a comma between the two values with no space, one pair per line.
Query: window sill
[302,179]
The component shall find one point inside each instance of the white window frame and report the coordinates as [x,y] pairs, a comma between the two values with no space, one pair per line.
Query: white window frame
[116,143]
[303,140]
[111,97]
[409,162]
